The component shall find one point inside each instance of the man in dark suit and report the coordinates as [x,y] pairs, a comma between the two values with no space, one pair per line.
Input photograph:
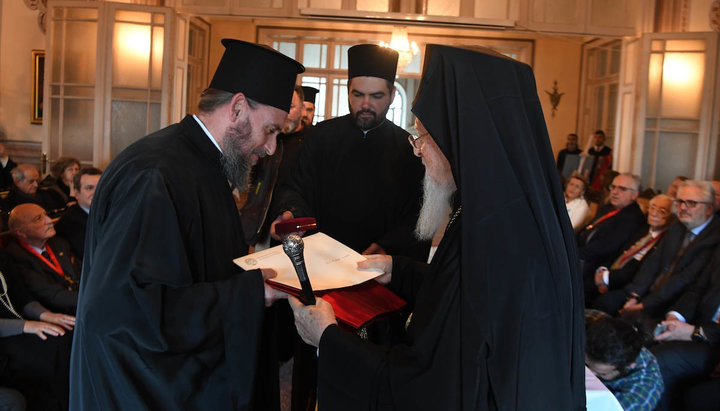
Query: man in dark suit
[643,244]
[691,344]
[571,147]
[25,190]
[43,260]
[682,255]
[602,159]
[615,223]
[73,223]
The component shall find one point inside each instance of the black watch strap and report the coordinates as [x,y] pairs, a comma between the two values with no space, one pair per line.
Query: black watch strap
[697,335]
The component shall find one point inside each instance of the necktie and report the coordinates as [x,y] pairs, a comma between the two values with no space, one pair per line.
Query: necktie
[688,239]
[662,278]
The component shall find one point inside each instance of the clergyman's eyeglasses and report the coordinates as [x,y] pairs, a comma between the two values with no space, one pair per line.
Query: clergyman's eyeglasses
[415,141]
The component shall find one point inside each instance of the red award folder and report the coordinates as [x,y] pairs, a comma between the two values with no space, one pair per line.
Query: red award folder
[358,305]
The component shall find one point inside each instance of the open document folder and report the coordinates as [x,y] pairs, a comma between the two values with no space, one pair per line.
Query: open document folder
[332,269]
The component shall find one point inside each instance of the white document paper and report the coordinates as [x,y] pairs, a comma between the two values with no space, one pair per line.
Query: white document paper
[330,264]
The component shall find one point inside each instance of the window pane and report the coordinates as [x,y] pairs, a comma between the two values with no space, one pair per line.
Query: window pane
[129,123]
[157,56]
[372,5]
[131,55]
[339,98]
[682,84]
[685,45]
[600,63]
[133,16]
[325,4]
[315,55]
[654,80]
[677,152]
[80,53]
[612,106]
[340,61]
[599,105]
[82,13]
[414,65]
[287,48]
[615,60]
[77,128]
[443,7]
[396,113]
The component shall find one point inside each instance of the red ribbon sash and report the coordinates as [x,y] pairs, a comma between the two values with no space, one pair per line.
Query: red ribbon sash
[53,263]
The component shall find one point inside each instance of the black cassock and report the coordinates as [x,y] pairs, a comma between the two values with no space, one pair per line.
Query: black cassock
[498,316]
[361,187]
[165,319]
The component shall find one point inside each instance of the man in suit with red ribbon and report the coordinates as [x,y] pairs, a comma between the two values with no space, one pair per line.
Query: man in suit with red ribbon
[43,260]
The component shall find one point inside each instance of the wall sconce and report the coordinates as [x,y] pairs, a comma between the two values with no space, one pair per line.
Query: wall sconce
[405,48]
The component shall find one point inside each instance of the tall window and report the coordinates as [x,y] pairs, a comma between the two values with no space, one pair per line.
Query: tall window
[602,73]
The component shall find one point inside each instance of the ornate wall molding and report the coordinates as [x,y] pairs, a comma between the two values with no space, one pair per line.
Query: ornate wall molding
[41,7]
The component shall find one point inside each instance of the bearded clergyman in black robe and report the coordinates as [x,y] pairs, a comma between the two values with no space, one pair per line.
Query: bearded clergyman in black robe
[165,320]
[354,173]
[498,314]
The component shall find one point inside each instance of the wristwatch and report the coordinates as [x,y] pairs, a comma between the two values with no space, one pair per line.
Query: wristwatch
[698,335]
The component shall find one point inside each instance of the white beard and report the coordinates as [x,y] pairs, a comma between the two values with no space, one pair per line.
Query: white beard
[436,208]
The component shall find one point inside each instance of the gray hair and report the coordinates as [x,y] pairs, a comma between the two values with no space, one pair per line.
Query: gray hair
[708,191]
[19,173]
[662,197]
[635,177]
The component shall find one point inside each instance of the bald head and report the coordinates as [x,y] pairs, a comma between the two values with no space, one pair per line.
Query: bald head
[30,223]
[26,177]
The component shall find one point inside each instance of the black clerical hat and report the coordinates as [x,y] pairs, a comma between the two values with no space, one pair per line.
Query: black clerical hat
[310,93]
[373,61]
[257,71]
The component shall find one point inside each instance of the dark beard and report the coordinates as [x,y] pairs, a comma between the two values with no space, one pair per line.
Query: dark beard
[235,163]
[369,123]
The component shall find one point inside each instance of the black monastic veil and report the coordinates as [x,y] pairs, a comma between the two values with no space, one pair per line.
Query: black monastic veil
[520,293]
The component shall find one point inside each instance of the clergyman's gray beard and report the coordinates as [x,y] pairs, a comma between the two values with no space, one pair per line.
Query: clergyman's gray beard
[436,208]
[235,163]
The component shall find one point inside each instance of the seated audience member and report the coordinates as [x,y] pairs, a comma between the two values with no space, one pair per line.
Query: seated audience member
[25,190]
[43,260]
[690,347]
[478,335]
[61,177]
[716,187]
[6,164]
[614,352]
[34,344]
[674,185]
[615,223]
[73,223]
[577,207]
[681,256]
[571,147]
[624,268]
